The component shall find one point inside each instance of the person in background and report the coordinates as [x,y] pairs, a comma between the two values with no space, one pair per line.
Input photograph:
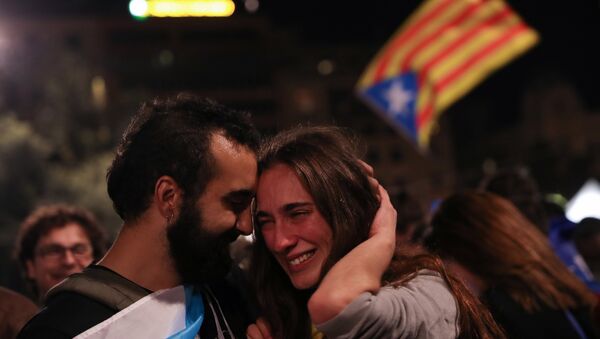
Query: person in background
[561,234]
[411,224]
[508,263]
[520,188]
[55,241]
[325,262]
[15,311]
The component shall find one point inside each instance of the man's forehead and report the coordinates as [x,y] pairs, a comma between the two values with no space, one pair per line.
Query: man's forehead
[68,232]
[221,145]
[234,163]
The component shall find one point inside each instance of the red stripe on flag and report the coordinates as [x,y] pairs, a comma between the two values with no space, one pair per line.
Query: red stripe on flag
[505,38]
[404,36]
[424,115]
[464,38]
[466,13]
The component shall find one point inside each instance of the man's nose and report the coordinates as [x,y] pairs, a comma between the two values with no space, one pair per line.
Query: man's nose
[244,222]
[68,258]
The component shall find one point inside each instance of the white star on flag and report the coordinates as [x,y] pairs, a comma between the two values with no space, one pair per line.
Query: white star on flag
[398,98]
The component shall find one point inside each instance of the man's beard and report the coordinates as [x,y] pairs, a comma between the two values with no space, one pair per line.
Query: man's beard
[200,257]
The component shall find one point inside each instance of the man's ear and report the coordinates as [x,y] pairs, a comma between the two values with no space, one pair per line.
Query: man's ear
[168,196]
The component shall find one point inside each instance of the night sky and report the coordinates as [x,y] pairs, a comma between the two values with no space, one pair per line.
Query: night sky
[570,30]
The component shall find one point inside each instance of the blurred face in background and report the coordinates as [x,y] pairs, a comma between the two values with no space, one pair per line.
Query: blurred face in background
[59,253]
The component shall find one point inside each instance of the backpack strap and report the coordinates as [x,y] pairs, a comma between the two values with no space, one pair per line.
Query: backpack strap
[103,286]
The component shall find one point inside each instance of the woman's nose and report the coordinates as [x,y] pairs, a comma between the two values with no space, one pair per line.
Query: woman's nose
[284,238]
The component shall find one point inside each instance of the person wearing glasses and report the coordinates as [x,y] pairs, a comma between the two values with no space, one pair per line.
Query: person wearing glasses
[56,241]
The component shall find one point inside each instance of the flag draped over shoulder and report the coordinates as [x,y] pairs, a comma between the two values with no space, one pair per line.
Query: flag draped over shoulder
[175,313]
[443,50]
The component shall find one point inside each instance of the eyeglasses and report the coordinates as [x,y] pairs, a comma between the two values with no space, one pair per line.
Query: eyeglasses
[55,252]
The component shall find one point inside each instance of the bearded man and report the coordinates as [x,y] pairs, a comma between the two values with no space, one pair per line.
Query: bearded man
[182,180]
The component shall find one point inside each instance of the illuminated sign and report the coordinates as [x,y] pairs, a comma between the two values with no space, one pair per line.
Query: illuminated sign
[181,8]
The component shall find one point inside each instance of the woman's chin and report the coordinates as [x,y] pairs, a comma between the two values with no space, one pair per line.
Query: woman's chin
[304,283]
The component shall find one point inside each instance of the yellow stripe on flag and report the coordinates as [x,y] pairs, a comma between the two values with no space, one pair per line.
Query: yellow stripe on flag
[368,76]
[440,21]
[450,64]
[455,33]
[455,59]
[482,69]
[426,98]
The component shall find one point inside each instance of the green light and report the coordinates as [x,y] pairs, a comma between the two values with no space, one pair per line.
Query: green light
[556,198]
[138,8]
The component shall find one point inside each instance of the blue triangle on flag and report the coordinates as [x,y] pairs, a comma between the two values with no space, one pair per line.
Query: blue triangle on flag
[396,98]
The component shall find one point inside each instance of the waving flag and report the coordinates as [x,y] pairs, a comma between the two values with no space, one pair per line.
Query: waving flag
[443,50]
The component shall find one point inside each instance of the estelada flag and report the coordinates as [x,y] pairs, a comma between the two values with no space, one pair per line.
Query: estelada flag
[443,50]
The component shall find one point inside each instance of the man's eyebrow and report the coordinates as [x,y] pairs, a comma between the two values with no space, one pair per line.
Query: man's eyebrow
[241,194]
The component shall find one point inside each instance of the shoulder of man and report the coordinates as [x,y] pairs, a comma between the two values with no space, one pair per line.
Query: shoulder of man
[102,285]
[80,302]
[66,315]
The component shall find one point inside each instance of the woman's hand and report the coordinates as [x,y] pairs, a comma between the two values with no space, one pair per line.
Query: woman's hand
[371,176]
[384,223]
[259,330]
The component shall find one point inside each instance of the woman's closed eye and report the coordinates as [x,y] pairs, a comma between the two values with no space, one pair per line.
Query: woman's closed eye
[295,214]
[262,221]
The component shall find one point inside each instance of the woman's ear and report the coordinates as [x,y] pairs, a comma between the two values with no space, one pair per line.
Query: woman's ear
[168,196]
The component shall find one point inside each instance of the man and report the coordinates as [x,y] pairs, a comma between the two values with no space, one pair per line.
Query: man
[56,241]
[182,180]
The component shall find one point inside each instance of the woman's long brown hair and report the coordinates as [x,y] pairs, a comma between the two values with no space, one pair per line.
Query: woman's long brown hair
[325,161]
[491,238]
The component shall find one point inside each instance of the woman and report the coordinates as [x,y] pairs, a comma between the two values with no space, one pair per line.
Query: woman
[317,259]
[508,262]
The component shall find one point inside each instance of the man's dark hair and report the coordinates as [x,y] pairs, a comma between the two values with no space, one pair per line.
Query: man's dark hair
[172,137]
[49,217]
